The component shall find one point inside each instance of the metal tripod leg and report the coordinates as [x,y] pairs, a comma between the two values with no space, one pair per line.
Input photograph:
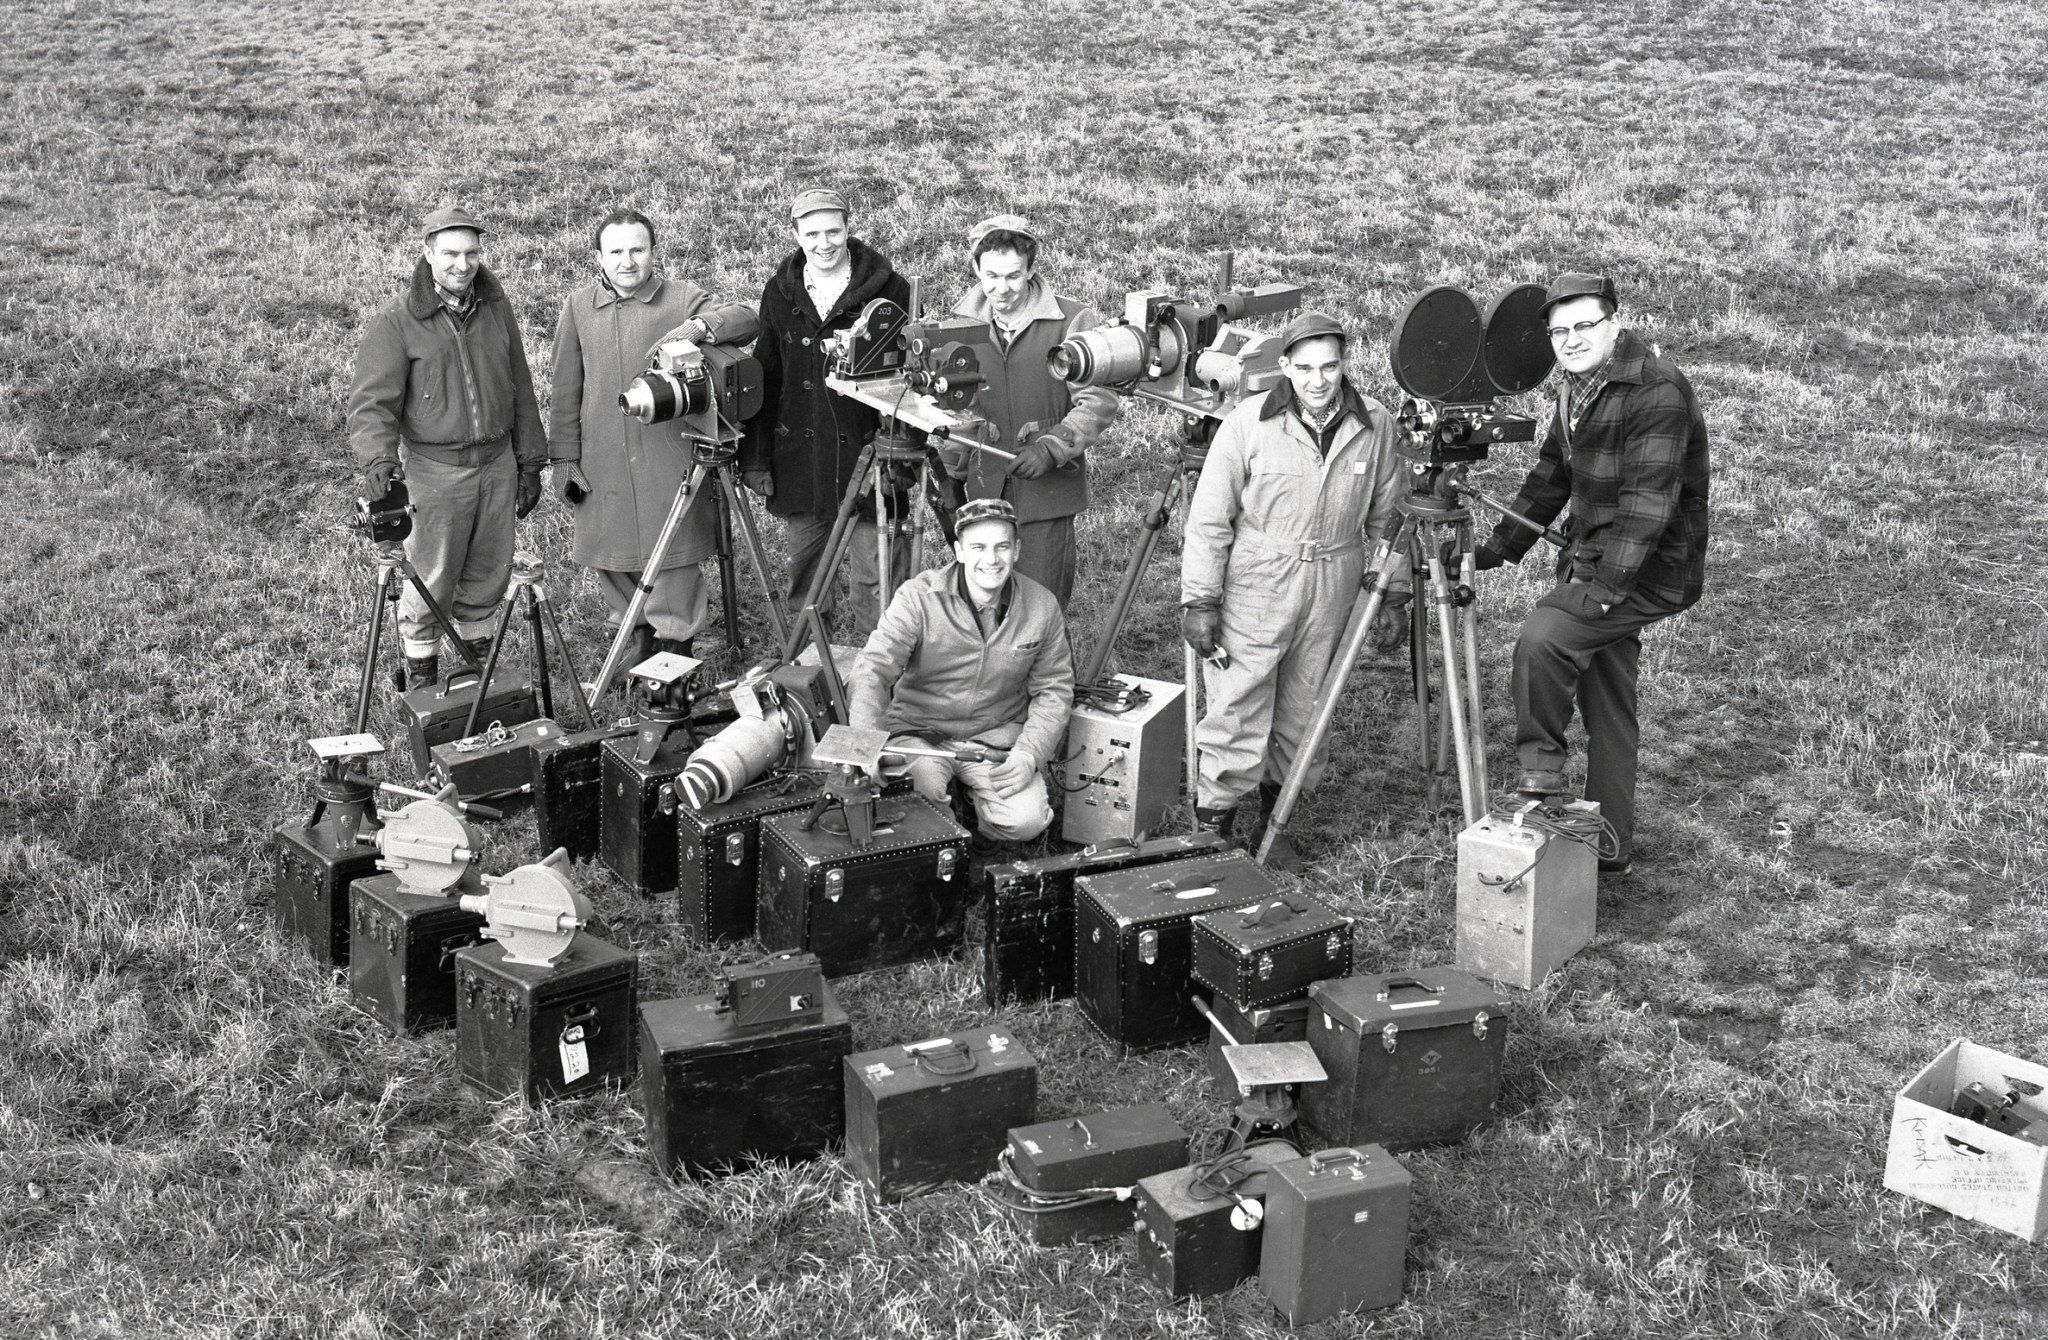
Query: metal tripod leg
[1392,551]
[1158,510]
[554,627]
[483,687]
[728,576]
[1191,670]
[540,652]
[614,659]
[392,564]
[1455,693]
[729,484]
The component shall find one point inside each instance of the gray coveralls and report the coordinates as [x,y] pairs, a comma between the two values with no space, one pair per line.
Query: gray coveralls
[1281,535]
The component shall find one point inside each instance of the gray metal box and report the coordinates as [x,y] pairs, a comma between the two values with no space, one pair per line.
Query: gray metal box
[1124,767]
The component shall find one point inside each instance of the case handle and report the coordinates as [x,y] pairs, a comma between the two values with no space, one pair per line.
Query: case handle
[1415,983]
[1323,1160]
[583,1016]
[1095,849]
[943,1056]
[1293,902]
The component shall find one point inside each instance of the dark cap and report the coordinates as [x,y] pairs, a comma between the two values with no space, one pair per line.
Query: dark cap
[1310,326]
[814,198]
[1575,285]
[977,510]
[1000,223]
[450,216]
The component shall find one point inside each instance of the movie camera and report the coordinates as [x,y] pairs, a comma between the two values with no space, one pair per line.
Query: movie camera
[937,357]
[386,519]
[1456,366]
[706,390]
[780,713]
[1182,352]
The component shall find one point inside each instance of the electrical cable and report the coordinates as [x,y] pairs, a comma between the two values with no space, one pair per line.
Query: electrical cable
[1031,1201]
[1553,821]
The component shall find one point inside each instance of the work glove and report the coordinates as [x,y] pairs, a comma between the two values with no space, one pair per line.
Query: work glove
[570,484]
[953,457]
[1578,599]
[1013,774]
[377,477]
[1036,460]
[1200,623]
[1485,558]
[1390,622]
[760,481]
[529,494]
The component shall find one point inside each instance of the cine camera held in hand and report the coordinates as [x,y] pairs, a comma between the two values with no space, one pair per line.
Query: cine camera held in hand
[1456,366]
[1182,352]
[706,390]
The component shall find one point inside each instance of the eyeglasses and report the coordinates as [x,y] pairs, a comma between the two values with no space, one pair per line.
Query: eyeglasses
[1558,334]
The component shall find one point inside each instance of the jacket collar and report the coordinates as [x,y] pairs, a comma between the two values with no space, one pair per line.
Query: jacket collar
[1040,304]
[1280,399]
[871,272]
[423,301]
[1625,364]
[1002,599]
[603,295]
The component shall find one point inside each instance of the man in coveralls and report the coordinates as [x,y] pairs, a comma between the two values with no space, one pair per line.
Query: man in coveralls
[1298,489]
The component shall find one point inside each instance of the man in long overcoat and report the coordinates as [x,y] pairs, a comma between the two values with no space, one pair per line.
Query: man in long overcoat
[800,450]
[619,475]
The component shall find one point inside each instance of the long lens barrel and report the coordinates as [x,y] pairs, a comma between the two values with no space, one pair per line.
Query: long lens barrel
[1104,356]
[732,760]
[656,397]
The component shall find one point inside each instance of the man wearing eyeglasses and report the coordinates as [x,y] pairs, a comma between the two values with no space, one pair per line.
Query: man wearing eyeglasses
[1627,449]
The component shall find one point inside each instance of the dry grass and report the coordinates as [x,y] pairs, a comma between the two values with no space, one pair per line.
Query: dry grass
[1829,214]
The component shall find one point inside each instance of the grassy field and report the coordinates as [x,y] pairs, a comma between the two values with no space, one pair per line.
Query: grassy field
[1830,214]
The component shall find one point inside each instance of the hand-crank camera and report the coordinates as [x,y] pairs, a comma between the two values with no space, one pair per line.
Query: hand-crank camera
[1455,364]
[706,390]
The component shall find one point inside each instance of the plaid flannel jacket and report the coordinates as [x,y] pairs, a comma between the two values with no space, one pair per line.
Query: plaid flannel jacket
[1635,474]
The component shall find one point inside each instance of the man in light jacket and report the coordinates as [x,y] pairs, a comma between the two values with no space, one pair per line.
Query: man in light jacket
[974,651]
[442,386]
[1299,487]
[619,475]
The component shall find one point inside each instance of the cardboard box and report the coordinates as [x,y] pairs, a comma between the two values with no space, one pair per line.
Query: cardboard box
[1962,1166]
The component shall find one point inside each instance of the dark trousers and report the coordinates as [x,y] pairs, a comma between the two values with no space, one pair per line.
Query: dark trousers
[1562,660]
[1045,554]
[807,535]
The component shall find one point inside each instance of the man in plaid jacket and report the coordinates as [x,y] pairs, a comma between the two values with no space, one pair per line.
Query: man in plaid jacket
[1627,448]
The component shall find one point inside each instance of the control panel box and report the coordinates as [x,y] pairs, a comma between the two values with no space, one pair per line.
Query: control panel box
[1124,763]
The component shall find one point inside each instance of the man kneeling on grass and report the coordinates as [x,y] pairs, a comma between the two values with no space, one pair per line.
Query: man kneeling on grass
[974,651]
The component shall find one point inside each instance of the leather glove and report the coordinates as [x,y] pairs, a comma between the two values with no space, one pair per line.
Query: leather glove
[1036,460]
[1013,774]
[377,477]
[953,457]
[570,484]
[1485,558]
[1390,623]
[1579,599]
[1200,623]
[760,481]
[529,494]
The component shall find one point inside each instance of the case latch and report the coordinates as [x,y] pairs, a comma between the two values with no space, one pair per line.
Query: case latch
[1389,1035]
[736,848]
[835,885]
[1148,946]
[1479,1024]
[949,858]
[1265,966]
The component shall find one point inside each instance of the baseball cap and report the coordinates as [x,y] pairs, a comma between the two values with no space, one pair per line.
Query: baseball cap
[1003,223]
[814,198]
[976,510]
[1310,326]
[450,216]
[1573,284]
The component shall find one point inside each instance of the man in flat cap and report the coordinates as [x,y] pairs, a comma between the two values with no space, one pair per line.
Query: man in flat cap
[1048,482]
[800,450]
[442,387]
[1299,487]
[1627,449]
[618,475]
[974,651]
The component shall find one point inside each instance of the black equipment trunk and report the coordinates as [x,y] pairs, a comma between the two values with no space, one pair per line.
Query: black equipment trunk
[311,869]
[524,1029]
[1133,946]
[493,763]
[1101,1150]
[718,1096]
[437,713]
[922,1115]
[1336,1233]
[401,962]
[718,859]
[637,838]
[1187,1243]
[894,901]
[1265,955]
[1027,950]
[1414,1058]
[568,789]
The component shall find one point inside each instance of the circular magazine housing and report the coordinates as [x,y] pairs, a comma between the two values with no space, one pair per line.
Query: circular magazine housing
[1517,348]
[1436,346]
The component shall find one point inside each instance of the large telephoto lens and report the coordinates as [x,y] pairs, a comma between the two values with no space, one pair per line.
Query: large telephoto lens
[733,760]
[657,397]
[1105,356]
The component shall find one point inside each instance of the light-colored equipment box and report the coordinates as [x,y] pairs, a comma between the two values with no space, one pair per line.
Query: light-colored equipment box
[1526,899]
[1966,1167]
[1124,768]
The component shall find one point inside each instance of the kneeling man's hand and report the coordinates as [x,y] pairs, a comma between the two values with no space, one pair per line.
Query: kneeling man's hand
[1013,774]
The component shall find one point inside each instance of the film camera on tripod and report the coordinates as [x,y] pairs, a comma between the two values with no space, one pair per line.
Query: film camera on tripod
[1457,366]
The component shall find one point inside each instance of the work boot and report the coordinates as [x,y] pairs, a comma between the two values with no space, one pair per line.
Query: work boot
[1216,820]
[1269,796]
[679,646]
[1541,782]
[1283,856]
[421,671]
[479,647]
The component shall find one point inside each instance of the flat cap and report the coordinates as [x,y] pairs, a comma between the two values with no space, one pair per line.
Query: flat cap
[814,198]
[1309,326]
[1575,285]
[450,216]
[999,223]
[976,510]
